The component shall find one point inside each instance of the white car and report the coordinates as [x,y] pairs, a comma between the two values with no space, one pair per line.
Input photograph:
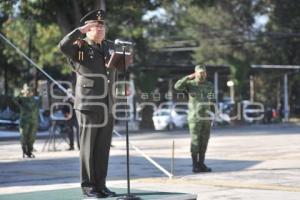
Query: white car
[219,118]
[169,119]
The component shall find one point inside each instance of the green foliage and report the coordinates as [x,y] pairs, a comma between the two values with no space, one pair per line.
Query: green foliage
[16,66]
[222,29]
[48,21]
[280,45]
[17,32]
[285,20]
[144,78]
[48,37]
[43,49]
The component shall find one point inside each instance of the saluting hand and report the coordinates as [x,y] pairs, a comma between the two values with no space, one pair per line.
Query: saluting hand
[191,76]
[87,27]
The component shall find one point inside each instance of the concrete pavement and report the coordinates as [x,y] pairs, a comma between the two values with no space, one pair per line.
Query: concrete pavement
[252,162]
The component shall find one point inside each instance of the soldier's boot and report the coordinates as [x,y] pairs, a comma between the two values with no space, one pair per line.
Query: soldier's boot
[71,147]
[24,149]
[29,153]
[196,167]
[202,166]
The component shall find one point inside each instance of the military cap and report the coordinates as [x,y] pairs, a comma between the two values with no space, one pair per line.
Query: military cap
[26,88]
[200,68]
[95,15]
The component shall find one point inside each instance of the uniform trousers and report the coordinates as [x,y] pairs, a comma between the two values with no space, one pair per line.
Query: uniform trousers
[200,133]
[95,142]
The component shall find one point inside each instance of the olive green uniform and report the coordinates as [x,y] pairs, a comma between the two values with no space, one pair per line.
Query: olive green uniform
[201,97]
[29,121]
[93,104]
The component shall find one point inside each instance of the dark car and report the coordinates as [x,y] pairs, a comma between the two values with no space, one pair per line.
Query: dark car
[10,119]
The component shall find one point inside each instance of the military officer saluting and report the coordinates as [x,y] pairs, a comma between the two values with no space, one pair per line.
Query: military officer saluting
[29,119]
[201,96]
[88,52]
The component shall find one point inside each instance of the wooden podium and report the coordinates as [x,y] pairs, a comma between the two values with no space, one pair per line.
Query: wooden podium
[117,60]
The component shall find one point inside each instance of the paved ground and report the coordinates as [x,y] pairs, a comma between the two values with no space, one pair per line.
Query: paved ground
[254,162]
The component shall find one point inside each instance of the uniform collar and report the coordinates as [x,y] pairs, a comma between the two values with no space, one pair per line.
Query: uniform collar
[95,45]
[91,42]
[199,83]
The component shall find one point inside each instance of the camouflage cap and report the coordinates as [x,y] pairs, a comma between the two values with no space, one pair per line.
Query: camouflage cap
[200,68]
[26,88]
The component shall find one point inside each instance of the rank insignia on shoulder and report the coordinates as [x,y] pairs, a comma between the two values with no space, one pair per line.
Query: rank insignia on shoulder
[80,55]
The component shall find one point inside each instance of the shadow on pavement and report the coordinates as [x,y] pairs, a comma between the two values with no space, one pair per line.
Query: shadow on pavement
[182,166]
[66,170]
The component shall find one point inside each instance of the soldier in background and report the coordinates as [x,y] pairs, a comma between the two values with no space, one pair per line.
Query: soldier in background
[29,119]
[201,96]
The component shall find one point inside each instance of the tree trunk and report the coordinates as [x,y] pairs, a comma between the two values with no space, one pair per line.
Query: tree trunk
[100,4]
[77,13]
[147,118]
[5,80]
[63,23]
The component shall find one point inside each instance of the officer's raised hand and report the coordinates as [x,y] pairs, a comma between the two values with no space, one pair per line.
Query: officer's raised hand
[95,31]
[88,27]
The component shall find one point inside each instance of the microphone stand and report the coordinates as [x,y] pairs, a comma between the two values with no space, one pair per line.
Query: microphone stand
[129,196]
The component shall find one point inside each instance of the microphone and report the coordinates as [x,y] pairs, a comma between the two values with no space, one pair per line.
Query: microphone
[122,42]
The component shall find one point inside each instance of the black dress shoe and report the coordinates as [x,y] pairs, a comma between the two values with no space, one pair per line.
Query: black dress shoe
[89,192]
[106,192]
[70,149]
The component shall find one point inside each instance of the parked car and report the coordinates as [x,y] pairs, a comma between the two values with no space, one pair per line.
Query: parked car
[219,118]
[252,111]
[169,119]
[9,118]
[226,106]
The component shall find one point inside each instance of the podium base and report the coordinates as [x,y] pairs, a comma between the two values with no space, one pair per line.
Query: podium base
[129,197]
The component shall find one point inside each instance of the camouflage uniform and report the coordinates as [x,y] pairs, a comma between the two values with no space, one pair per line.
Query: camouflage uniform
[201,97]
[29,112]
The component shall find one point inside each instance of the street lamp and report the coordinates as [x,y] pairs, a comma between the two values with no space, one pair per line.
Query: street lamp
[230,84]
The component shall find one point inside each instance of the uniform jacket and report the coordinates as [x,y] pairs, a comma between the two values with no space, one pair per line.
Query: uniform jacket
[94,80]
[29,109]
[201,95]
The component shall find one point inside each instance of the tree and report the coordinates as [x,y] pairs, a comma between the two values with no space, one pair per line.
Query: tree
[55,18]
[280,44]
[224,31]
[124,21]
